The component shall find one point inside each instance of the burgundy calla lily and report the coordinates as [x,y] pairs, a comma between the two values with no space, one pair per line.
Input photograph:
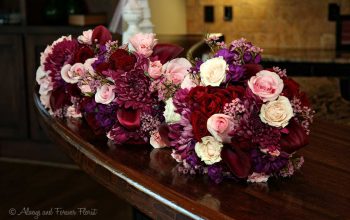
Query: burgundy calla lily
[166,52]
[101,35]
[237,160]
[295,139]
[129,118]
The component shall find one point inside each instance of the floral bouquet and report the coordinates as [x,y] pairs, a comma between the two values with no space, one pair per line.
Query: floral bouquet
[111,86]
[233,119]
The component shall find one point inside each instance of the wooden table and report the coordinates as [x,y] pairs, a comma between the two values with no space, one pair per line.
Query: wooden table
[147,178]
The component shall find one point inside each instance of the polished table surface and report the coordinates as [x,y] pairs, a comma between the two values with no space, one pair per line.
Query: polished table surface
[147,178]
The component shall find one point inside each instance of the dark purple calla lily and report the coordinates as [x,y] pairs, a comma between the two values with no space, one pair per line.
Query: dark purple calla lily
[295,139]
[101,35]
[237,160]
[166,52]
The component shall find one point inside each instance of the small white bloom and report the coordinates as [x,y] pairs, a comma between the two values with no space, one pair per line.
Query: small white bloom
[277,113]
[213,71]
[209,150]
[170,115]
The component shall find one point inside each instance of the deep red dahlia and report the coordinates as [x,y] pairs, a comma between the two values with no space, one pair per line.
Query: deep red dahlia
[132,90]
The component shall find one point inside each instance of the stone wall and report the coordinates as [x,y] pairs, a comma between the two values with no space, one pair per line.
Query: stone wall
[270,23]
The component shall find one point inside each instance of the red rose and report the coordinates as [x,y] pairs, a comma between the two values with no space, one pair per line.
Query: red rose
[211,104]
[122,60]
[101,35]
[83,54]
[199,125]
[252,69]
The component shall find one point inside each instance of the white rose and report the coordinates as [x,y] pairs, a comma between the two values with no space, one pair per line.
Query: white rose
[213,71]
[277,113]
[209,150]
[46,85]
[170,115]
[105,94]
[85,38]
[258,178]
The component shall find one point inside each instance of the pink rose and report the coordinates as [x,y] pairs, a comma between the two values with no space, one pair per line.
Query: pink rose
[88,65]
[86,37]
[72,74]
[266,84]
[189,82]
[175,70]
[105,94]
[73,112]
[156,140]
[155,69]
[45,100]
[78,69]
[143,43]
[85,88]
[220,125]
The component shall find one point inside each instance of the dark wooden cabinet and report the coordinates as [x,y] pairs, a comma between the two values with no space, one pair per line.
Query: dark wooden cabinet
[13,120]
[20,48]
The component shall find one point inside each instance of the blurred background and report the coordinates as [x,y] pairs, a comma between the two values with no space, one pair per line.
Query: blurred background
[311,39]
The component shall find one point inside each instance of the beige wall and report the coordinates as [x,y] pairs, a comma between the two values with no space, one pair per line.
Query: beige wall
[168,16]
[270,23]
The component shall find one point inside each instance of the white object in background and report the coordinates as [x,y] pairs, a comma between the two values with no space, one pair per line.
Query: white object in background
[116,25]
[132,14]
[146,25]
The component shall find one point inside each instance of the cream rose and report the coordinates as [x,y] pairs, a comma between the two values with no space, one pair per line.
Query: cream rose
[213,71]
[219,125]
[277,113]
[86,37]
[169,114]
[105,94]
[209,150]
[266,84]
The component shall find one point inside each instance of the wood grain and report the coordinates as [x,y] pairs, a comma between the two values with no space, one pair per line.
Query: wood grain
[147,178]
